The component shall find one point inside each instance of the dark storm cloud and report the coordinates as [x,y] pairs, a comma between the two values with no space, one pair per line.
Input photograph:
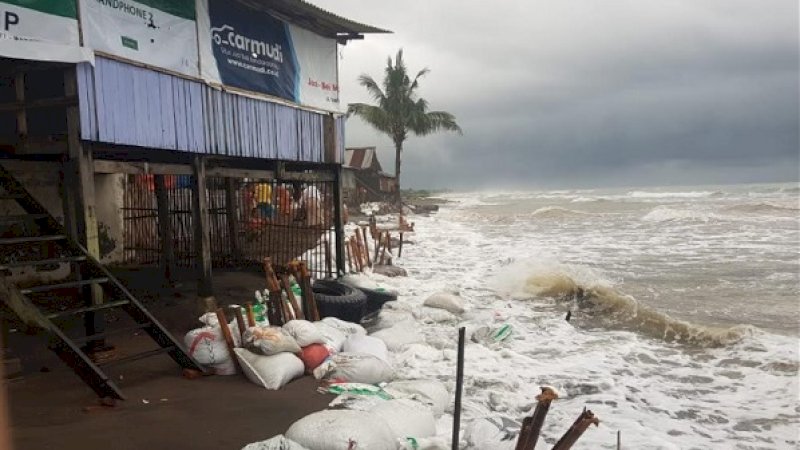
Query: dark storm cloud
[580,93]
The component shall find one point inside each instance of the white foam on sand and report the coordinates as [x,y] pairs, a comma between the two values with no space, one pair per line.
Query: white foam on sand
[661,393]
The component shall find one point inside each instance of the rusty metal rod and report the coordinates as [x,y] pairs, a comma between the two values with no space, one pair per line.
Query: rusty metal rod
[459,388]
[528,437]
[576,430]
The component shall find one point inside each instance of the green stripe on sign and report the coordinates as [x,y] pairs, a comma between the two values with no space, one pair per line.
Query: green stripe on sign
[63,8]
[180,8]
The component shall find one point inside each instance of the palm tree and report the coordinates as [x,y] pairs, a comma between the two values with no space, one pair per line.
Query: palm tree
[399,110]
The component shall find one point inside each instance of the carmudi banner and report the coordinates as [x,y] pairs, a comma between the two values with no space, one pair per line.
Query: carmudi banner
[251,50]
[160,33]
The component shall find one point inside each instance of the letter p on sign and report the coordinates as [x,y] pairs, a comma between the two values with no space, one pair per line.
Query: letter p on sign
[9,19]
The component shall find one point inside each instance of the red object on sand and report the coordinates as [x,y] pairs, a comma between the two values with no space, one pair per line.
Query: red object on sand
[313,355]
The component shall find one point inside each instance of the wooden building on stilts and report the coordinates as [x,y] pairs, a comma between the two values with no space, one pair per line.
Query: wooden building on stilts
[186,135]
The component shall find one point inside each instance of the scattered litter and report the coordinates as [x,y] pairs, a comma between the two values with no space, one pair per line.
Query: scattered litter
[145,401]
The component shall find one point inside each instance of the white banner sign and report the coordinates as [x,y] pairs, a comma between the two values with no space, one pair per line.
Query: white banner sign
[44,30]
[160,33]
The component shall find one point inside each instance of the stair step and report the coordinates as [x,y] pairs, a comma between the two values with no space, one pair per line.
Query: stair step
[113,332]
[42,262]
[24,239]
[137,356]
[85,309]
[21,218]
[69,284]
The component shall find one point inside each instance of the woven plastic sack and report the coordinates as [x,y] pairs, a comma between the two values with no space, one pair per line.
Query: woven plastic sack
[334,338]
[313,355]
[348,328]
[269,341]
[270,372]
[406,418]
[208,347]
[342,430]
[367,345]
[304,332]
[279,442]
[355,368]
[429,392]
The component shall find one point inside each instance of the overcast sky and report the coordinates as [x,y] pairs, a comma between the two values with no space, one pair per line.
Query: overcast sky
[588,93]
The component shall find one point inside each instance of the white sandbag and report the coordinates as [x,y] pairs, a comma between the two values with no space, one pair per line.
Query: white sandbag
[304,332]
[355,368]
[367,345]
[279,442]
[490,432]
[269,341]
[406,418]
[270,372]
[348,328]
[399,336]
[434,315]
[342,430]
[430,392]
[334,338]
[211,320]
[389,317]
[432,443]
[446,301]
[208,347]
[359,280]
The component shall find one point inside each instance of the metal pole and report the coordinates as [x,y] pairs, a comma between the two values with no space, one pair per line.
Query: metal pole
[338,220]
[459,387]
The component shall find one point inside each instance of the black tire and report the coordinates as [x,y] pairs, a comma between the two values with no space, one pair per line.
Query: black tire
[335,299]
[376,299]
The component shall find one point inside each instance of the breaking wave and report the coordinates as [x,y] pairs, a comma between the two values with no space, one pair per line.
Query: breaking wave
[555,212]
[599,305]
[667,214]
[755,208]
[692,194]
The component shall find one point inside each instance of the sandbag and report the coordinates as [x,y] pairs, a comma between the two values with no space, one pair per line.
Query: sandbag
[334,338]
[431,443]
[434,315]
[304,332]
[211,320]
[489,432]
[348,328]
[367,345]
[406,418]
[355,368]
[342,430]
[279,442]
[446,301]
[430,392]
[399,336]
[269,341]
[208,347]
[270,372]
[313,355]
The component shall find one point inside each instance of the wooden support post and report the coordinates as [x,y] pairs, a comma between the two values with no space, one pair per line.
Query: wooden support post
[232,215]
[329,139]
[237,314]
[338,221]
[165,228]
[349,259]
[202,239]
[226,334]
[22,118]
[576,430]
[356,254]
[275,310]
[80,203]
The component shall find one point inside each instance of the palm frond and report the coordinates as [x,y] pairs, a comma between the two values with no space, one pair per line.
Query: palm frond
[373,115]
[372,88]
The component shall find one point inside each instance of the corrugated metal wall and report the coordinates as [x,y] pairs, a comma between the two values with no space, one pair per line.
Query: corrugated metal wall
[129,105]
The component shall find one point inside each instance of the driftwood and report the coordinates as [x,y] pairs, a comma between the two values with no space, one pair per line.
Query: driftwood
[576,430]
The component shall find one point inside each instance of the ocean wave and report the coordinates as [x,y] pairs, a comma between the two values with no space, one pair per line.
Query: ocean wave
[557,212]
[661,195]
[600,305]
[760,208]
[667,214]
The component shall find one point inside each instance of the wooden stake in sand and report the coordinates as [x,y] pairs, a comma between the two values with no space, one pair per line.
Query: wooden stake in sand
[308,292]
[576,430]
[275,306]
[298,312]
[226,333]
[237,313]
[366,246]
[251,316]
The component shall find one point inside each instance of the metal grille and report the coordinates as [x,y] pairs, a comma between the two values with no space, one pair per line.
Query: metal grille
[283,220]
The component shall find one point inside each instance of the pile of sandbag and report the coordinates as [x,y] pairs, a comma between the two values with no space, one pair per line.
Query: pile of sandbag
[363,359]
[207,345]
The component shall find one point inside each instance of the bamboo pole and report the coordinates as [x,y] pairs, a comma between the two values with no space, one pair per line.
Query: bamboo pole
[576,430]
[530,435]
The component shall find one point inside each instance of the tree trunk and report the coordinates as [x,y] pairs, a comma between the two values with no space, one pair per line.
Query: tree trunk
[398,147]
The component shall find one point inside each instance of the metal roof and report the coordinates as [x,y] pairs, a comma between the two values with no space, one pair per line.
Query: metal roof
[361,158]
[314,18]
